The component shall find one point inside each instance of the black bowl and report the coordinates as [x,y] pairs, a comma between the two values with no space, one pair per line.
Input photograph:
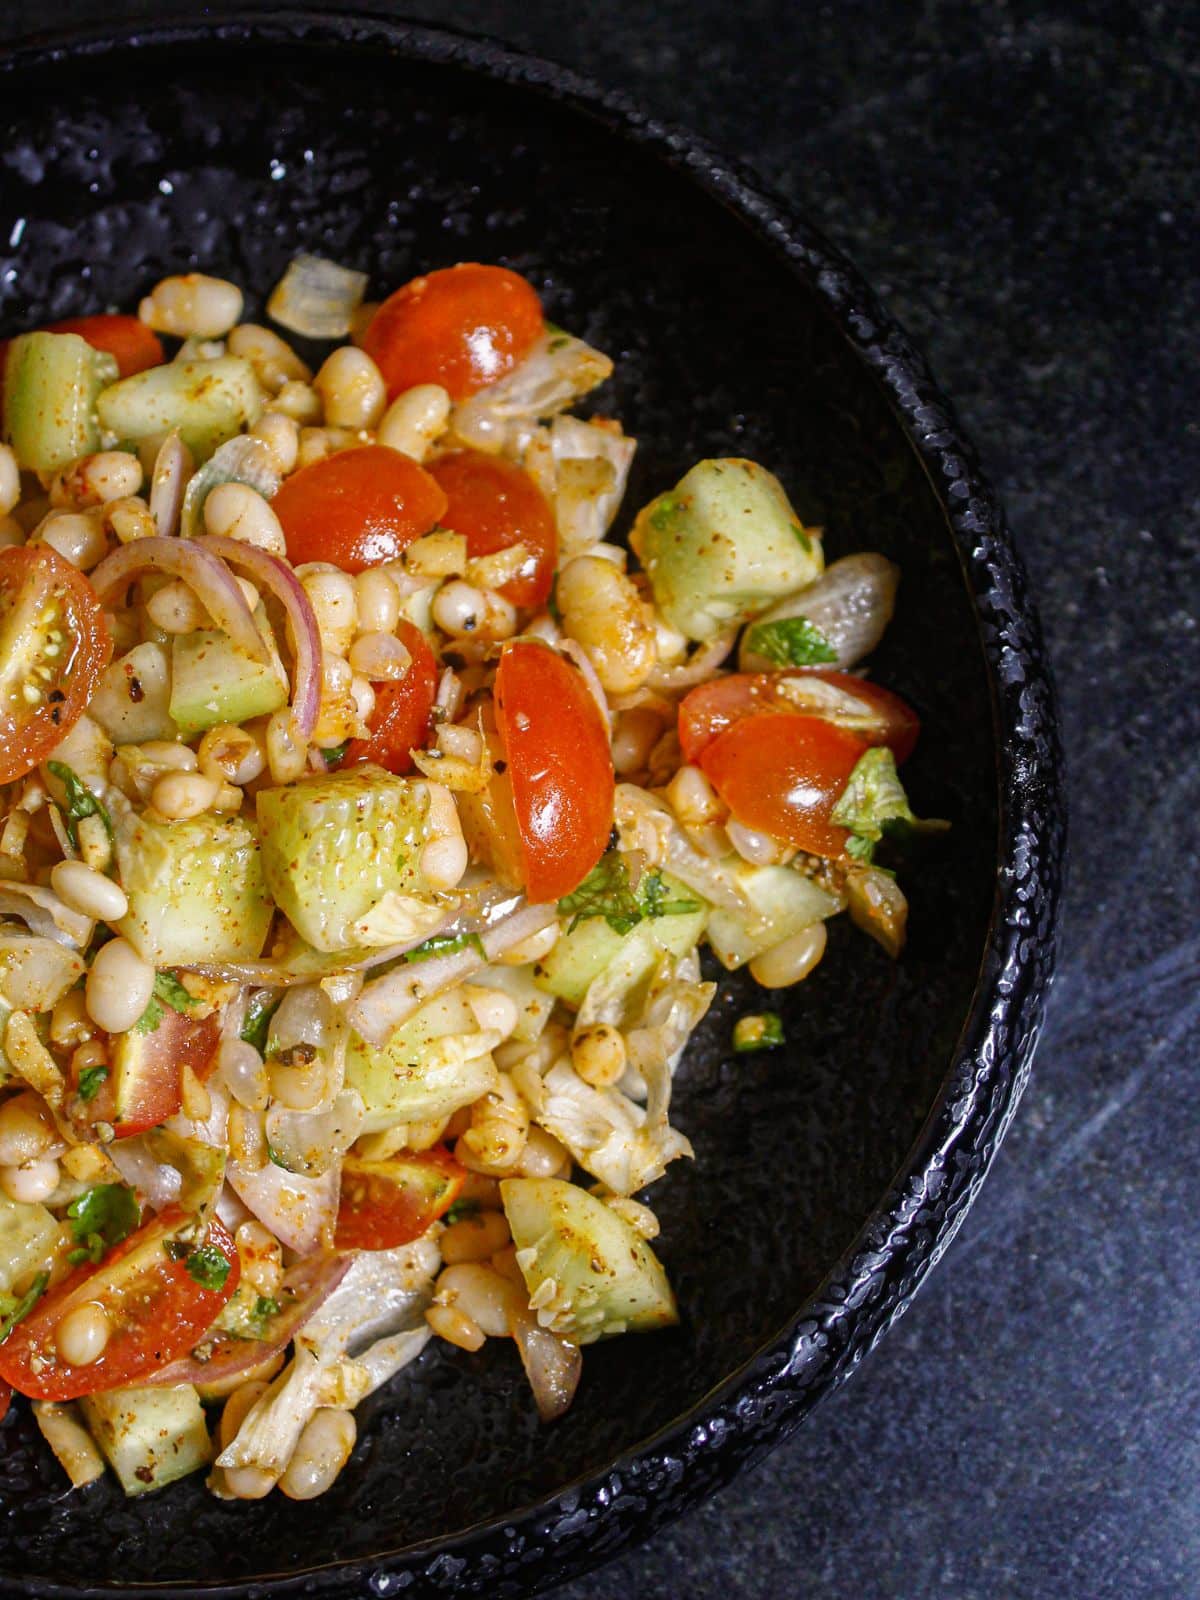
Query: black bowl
[828,1178]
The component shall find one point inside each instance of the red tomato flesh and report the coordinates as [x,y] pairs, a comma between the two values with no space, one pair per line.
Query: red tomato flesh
[859,706]
[155,1307]
[145,1082]
[560,766]
[399,721]
[390,1203]
[494,505]
[54,644]
[358,508]
[463,327]
[783,774]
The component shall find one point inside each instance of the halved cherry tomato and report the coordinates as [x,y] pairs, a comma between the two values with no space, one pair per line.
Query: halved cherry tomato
[783,774]
[399,721]
[155,1307]
[859,706]
[130,340]
[560,765]
[145,1084]
[463,327]
[494,505]
[54,644]
[357,508]
[390,1203]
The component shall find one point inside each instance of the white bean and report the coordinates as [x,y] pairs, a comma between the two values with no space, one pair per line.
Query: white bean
[331,594]
[96,479]
[175,608]
[192,306]
[444,860]
[378,601]
[415,419]
[229,754]
[273,359]
[604,613]
[119,986]
[26,1129]
[364,697]
[82,1335]
[239,512]
[242,1071]
[286,752]
[693,799]
[30,1184]
[634,736]
[532,949]
[281,435]
[183,794]
[352,389]
[78,536]
[791,960]
[481,1293]
[10,480]
[379,657]
[463,611]
[321,1452]
[300,401]
[90,893]
[492,1008]
[760,849]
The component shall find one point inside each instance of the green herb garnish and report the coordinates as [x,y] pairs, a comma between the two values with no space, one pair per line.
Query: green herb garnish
[761,1032]
[446,944]
[100,1218]
[209,1266]
[261,1008]
[90,1080]
[606,892]
[14,1308]
[168,991]
[264,1309]
[81,802]
[462,1211]
[874,803]
[337,754]
[791,642]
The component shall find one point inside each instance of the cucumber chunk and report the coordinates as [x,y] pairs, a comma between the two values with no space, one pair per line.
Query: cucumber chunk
[196,888]
[208,401]
[151,1437]
[341,854]
[29,1235]
[723,545]
[782,901]
[606,1278]
[427,1069]
[132,702]
[583,953]
[51,385]
[213,682]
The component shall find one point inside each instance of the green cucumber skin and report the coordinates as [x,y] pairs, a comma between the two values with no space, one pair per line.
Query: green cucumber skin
[51,385]
[212,682]
[335,844]
[207,401]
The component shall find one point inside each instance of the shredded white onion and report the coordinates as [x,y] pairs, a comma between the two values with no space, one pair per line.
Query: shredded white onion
[317,298]
[850,604]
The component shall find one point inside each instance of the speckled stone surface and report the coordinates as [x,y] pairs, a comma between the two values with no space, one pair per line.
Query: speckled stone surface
[1019,182]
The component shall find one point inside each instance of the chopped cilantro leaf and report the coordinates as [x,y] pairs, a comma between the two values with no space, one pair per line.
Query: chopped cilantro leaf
[259,1011]
[461,1210]
[100,1218]
[336,755]
[265,1307]
[606,892]
[14,1308]
[208,1266]
[150,1018]
[791,642]
[81,802]
[90,1080]
[171,992]
[446,944]
[652,893]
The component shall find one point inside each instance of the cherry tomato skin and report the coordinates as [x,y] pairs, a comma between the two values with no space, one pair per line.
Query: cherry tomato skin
[560,766]
[400,721]
[783,774]
[156,1308]
[151,1067]
[357,508]
[494,505]
[712,707]
[463,327]
[389,1203]
[40,594]
[129,340]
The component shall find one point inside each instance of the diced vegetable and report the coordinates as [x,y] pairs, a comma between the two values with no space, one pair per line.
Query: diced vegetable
[207,401]
[389,1203]
[151,1437]
[244,459]
[781,901]
[341,856]
[518,983]
[51,384]
[133,701]
[147,1062]
[29,1237]
[723,545]
[585,950]
[434,1063]
[196,888]
[604,1278]
[317,298]
[212,682]
[74,1448]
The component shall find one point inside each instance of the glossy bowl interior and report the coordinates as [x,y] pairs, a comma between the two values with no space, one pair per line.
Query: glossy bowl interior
[734,332]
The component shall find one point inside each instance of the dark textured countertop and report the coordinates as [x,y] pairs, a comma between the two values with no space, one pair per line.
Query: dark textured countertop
[1019,180]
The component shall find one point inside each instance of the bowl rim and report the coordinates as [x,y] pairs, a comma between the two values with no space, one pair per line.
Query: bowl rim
[596,1516]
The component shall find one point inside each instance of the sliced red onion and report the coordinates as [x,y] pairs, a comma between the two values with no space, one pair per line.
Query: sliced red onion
[388,1001]
[305,1288]
[274,575]
[697,669]
[172,467]
[207,576]
[552,1366]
